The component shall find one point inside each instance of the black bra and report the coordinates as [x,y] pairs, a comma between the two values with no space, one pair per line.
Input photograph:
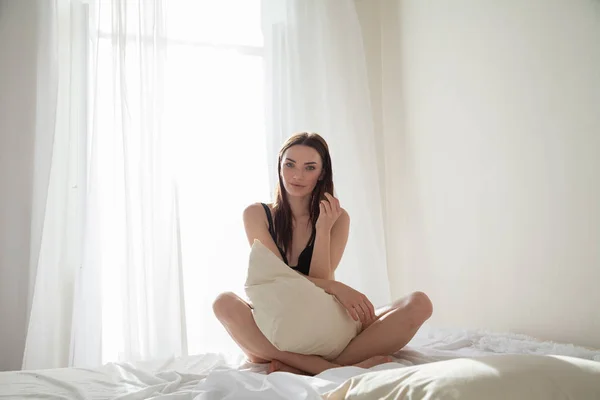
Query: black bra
[304,258]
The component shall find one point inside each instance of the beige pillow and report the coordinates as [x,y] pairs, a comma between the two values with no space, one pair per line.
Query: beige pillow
[292,312]
[514,377]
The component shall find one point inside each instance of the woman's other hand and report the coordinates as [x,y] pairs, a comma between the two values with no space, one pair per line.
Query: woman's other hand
[330,211]
[358,305]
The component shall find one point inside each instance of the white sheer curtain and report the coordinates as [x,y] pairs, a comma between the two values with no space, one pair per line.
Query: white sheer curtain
[178,103]
[142,222]
[132,246]
[108,279]
[214,114]
[57,208]
[142,218]
[317,81]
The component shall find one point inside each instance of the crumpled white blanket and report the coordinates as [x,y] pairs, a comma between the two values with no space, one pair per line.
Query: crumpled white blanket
[216,376]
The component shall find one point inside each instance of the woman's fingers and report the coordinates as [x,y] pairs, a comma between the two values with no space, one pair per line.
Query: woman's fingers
[327,206]
[358,312]
[364,312]
[322,208]
[338,208]
[352,312]
[371,308]
[335,203]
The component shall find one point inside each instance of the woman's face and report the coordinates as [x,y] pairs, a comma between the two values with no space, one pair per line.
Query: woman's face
[301,168]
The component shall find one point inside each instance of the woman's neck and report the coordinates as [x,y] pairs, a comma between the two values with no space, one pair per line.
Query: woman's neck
[299,206]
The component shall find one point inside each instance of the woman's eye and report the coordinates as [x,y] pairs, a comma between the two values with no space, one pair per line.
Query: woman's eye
[289,165]
[310,168]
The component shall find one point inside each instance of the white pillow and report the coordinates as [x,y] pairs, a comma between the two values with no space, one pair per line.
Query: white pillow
[292,312]
[514,377]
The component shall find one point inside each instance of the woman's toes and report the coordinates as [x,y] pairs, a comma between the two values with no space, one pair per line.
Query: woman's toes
[373,361]
[274,366]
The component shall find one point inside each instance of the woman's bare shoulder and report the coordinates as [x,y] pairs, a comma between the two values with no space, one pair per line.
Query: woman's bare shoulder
[255,211]
[344,217]
[257,225]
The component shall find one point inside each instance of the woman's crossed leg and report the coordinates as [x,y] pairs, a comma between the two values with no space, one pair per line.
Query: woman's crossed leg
[393,327]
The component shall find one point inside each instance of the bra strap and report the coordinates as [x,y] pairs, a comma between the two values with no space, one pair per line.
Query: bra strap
[270,219]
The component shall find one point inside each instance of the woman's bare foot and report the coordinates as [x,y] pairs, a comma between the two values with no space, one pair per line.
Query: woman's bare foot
[373,361]
[278,366]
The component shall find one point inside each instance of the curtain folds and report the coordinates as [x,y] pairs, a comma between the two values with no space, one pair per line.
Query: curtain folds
[151,122]
[317,81]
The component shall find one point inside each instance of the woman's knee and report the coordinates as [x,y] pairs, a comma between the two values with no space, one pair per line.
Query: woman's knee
[422,305]
[226,306]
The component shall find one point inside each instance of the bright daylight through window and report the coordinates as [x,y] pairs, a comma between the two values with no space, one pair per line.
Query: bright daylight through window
[214,130]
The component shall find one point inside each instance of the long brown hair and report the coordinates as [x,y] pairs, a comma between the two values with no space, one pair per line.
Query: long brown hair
[282,213]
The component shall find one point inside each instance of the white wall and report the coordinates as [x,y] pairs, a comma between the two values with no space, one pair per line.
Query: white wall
[17,125]
[493,161]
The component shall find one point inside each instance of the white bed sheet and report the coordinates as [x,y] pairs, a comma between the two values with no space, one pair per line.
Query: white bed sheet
[216,376]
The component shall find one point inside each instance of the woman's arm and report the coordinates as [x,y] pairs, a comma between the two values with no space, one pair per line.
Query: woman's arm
[333,227]
[325,284]
[332,231]
[357,304]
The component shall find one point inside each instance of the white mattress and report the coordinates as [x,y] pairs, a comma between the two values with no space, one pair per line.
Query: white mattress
[216,376]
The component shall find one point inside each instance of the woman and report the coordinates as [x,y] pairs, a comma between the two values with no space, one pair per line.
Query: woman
[308,230]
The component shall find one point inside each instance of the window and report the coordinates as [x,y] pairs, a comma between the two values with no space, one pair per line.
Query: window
[213,127]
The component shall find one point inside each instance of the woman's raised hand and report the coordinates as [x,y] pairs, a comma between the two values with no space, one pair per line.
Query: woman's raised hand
[358,305]
[330,211]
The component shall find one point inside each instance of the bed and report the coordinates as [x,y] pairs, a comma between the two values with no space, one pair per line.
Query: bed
[218,376]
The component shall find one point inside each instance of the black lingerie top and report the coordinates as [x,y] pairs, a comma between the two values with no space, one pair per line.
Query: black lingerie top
[304,258]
